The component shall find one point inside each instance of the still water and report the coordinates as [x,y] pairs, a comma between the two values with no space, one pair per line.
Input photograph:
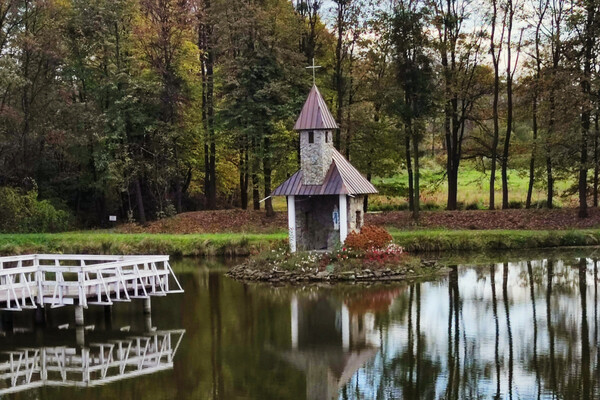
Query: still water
[505,327]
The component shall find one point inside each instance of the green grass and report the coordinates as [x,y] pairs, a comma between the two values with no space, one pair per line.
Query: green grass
[473,188]
[103,242]
[467,240]
[415,241]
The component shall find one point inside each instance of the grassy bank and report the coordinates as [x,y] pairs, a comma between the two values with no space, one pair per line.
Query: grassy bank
[468,240]
[90,242]
[415,241]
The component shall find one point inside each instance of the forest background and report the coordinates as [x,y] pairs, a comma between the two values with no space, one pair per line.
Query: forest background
[148,108]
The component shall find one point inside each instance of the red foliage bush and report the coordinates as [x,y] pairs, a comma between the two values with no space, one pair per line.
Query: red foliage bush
[369,237]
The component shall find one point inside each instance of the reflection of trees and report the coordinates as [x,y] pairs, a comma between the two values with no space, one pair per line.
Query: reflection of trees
[565,369]
[552,381]
[542,338]
[585,344]
[508,330]
[452,388]
[497,324]
[535,329]
[215,334]
[412,369]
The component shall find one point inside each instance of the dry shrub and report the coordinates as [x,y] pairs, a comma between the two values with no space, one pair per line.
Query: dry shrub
[369,237]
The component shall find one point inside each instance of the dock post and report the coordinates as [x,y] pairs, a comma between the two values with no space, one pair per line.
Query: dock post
[40,316]
[108,317]
[147,306]
[80,336]
[7,322]
[148,322]
[79,315]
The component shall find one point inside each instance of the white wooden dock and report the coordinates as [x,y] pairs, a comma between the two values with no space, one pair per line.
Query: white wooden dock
[98,364]
[81,280]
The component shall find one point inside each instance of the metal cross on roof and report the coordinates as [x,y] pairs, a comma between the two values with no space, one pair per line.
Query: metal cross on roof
[313,67]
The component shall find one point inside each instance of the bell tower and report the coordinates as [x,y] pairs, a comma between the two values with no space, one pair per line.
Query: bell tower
[315,125]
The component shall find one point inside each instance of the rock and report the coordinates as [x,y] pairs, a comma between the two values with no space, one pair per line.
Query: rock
[323,275]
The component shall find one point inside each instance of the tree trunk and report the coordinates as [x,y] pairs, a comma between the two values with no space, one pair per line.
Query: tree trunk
[205,43]
[586,113]
[452,190]
[267,176]
[496,133]
[212,197]
[366,200]
[255,191]
[339,83]
[537,83]
[548,142]
[244,179]
[254,174]
[140,201]
[532,159]
[416,202]
[509,105]
[409,171]
[596,133]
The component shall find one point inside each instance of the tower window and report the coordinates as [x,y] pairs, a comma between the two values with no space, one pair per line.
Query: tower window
[311,137]
[326,137]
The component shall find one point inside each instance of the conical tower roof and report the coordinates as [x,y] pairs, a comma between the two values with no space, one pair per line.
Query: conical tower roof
[315,114]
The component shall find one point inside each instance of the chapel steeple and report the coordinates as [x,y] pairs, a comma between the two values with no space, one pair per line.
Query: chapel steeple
[316,125]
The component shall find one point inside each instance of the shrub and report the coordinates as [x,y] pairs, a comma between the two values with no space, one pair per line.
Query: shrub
[431,206]
[544,204]
[476,205]
[370,236]
[23,212]
[515,204]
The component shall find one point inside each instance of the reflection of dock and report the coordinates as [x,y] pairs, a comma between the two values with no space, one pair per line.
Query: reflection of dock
[97,364]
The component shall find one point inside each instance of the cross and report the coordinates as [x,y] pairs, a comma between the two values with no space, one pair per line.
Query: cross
[313,67]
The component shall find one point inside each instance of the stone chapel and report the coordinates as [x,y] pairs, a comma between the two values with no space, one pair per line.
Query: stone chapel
[325,197]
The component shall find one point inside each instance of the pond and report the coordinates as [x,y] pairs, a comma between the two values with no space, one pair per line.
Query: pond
[507,326]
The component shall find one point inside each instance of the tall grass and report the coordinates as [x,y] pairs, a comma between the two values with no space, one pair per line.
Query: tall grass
[463,240]
[115,243]
[240,244]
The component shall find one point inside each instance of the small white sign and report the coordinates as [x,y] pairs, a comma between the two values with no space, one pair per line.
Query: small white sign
[112,218]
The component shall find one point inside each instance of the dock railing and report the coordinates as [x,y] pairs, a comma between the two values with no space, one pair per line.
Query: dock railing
[98,364]
[59,279]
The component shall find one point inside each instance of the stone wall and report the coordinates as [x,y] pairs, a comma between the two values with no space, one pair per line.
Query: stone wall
[356,215]
[314,222]
[315,157]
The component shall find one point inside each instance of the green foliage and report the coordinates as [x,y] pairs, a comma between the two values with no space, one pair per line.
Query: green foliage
[23,212]
[130,107]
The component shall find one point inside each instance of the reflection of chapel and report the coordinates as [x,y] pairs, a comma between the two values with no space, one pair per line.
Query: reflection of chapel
[325,197]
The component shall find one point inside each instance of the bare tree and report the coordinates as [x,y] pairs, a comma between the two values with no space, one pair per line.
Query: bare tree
[460,55]
[495,61]
[540,7]
[510,73]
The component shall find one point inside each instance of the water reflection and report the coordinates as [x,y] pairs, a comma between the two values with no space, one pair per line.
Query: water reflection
[514,329]
[23,369]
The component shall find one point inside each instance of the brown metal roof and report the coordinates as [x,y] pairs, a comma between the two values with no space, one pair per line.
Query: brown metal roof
[315,114]
[341,178]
